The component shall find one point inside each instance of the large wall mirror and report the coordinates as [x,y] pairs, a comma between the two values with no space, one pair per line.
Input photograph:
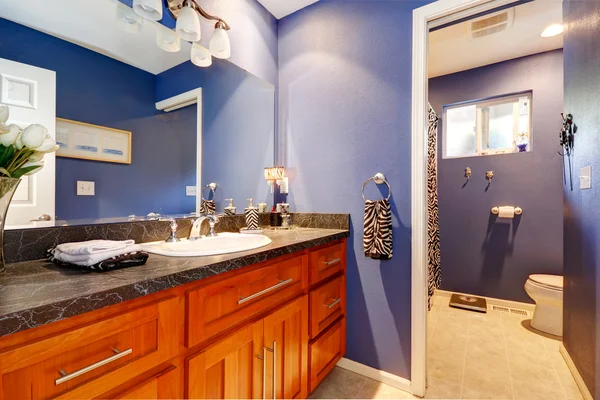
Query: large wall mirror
[79,63]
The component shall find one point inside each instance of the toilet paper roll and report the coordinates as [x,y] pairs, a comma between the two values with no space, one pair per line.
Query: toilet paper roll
[506,212]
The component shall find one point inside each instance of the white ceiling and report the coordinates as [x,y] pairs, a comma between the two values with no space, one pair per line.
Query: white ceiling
[92,24]
[281,8]
[452,50]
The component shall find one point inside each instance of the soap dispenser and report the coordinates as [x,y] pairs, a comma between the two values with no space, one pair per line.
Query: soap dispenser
[251,214]
[230,209]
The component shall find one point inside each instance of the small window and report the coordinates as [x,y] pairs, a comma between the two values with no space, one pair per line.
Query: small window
[491,126]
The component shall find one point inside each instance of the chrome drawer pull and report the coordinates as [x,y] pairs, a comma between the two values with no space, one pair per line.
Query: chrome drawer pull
[335,302]
[332,262]
[242,300]
[264,360]
[67,377]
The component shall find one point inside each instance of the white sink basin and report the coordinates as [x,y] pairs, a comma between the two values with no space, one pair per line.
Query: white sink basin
[208,246]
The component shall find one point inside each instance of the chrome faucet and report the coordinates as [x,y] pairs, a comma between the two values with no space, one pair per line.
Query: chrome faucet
[195,231]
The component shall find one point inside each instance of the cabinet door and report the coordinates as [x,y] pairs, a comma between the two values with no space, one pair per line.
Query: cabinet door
[286,340]
[231,368]
[164,385]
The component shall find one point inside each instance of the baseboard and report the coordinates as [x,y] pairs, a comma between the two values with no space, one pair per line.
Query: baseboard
[576,375]
[491,300]
[375,374]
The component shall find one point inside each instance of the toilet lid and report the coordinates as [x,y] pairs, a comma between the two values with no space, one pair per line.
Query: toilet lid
[553,281]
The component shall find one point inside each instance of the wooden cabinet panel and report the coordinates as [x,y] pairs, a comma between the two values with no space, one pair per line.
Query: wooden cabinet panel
[326,262]
[327,303]
[222,305]
[163,385]
[286,338]
[326,351]
[83,362]
[232,368]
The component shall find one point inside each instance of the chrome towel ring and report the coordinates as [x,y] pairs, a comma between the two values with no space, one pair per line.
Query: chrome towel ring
[212,186]
[379,179]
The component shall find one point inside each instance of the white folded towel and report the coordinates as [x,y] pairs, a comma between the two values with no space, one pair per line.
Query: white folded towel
[93,246]
[91,259]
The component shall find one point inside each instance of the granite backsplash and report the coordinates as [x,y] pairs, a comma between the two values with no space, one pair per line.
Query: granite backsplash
[32,244]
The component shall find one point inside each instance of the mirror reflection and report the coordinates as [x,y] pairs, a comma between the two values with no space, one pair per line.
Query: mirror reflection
[141,130]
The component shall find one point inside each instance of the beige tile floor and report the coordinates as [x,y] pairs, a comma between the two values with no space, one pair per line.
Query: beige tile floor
[474,356]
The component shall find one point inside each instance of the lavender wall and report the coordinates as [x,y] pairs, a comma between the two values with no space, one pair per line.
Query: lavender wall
[344,114]
[482,254]
[253,34]
[582,214]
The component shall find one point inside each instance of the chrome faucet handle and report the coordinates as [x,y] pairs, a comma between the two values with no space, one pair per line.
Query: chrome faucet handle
[173,237]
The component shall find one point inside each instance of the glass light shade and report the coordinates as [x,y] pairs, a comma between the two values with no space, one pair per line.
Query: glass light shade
[201,56]
[188,25]
[168,40]
[128,20]
[552,30]
[148,9]
[274,173]
[219,45]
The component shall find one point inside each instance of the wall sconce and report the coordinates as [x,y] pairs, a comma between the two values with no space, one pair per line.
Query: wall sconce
[276,175]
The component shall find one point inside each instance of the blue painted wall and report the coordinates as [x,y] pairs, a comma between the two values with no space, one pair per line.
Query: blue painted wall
[99,90]
[238,124]
[490,256]
[344,114]
[581,335]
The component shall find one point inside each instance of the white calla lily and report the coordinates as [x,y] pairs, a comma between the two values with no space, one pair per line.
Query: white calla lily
[3,113]
[10,137]
[48,145]
[39,166]
[34,135]
[36,156]
[4,128]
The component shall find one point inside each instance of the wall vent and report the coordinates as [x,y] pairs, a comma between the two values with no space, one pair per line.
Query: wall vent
[508,310]
[491,24]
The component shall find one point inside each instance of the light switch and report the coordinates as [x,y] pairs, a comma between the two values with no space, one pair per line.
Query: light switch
[190,190]
[86,188]
[585,178]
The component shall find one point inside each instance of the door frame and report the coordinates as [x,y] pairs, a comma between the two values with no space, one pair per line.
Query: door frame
[438,13]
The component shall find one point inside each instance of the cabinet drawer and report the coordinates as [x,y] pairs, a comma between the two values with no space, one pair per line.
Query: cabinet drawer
[222,305]
[326,351]
[326,262]
[327,303]
[163,385]
[85,361]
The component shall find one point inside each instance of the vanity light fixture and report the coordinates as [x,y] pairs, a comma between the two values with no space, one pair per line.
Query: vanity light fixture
[128,20]
[188,24]
[168,40]
[276,175]
[187,13]
[149,9]
[552,30]
[201,56]
[219,45]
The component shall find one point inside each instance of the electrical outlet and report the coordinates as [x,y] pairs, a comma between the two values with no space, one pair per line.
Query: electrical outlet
[86,188]
[190,190]
[585,178]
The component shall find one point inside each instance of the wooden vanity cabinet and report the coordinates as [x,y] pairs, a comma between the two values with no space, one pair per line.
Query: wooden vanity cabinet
[270,330]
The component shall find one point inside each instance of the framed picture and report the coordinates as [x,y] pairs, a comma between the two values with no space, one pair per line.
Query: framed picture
[92,142]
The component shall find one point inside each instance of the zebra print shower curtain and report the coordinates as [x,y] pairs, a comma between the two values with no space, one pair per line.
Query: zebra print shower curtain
[433,227]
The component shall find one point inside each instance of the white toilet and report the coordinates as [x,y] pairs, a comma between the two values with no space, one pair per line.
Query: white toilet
[547,292]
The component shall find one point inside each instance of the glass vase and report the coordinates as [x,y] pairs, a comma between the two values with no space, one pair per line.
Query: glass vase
[8,186]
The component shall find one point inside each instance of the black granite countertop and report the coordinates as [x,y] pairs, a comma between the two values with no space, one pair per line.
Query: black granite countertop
[35,293]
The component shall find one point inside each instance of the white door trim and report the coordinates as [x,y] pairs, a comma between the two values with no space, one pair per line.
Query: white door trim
[449,10]
[183,100]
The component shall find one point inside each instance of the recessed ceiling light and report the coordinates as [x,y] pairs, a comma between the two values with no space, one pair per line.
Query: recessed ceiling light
[552,30]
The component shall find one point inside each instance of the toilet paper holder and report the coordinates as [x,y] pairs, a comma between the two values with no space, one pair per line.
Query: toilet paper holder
[496,210]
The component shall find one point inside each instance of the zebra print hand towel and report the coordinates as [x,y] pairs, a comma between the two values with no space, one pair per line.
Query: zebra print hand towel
[208,207]
[377,238]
